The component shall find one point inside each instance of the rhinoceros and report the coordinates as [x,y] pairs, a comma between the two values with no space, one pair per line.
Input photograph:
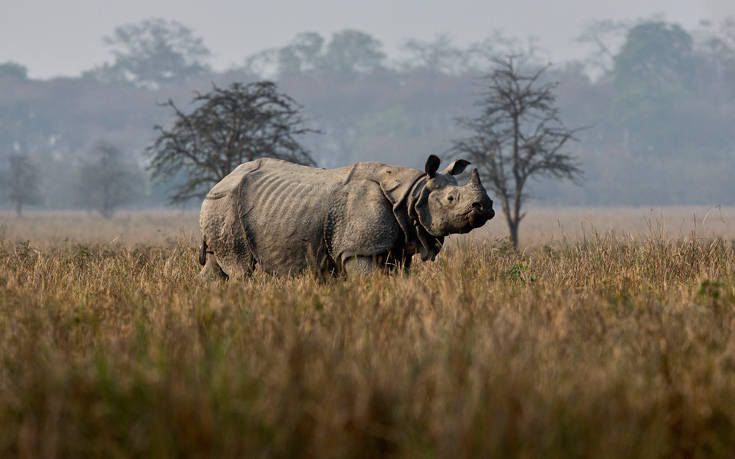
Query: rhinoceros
[284,217]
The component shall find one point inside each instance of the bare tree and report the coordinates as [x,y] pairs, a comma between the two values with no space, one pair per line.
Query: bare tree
[107,180]
[518,135]
[227,127]
[21,183]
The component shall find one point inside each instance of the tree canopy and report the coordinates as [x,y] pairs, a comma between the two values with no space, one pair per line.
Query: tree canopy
[654,72]
[11,69]
[303,54]
[227,127]
[154,52]
[21,182]
[107,180]
[351,51]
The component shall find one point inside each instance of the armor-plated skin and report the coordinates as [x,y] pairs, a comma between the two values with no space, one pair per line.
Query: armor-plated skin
[285,217]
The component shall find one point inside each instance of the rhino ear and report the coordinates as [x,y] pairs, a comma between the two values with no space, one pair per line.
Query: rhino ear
[432,165]
[456,168]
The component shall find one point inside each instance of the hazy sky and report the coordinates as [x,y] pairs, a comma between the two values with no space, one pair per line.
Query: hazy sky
[64,37]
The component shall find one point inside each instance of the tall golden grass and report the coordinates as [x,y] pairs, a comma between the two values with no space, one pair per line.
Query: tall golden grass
[602,345]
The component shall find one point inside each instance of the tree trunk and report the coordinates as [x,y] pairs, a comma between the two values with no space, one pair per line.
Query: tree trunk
[513,229]
[512,220]
[107,209]
[18,209]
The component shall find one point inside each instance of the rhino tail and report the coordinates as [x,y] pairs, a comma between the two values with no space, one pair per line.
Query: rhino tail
[203,253]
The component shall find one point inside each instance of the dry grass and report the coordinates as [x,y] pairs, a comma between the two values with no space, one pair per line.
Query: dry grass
[600,346]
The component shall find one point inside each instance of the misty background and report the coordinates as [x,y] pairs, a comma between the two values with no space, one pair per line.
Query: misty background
[653,85]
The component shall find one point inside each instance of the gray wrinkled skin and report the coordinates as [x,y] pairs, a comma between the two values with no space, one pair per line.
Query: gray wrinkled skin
[284,217]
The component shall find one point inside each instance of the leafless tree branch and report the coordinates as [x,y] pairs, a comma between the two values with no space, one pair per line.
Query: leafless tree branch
[518,135]
[226,128]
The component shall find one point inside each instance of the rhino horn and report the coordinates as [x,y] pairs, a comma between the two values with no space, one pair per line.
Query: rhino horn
[475,179]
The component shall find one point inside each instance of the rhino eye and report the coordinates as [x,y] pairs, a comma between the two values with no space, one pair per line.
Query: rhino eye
[451,198]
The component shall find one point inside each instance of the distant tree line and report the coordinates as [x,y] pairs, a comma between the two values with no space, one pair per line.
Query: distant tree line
[657,101]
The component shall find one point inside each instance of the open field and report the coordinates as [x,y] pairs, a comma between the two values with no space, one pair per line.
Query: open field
[542,226]
[609,335]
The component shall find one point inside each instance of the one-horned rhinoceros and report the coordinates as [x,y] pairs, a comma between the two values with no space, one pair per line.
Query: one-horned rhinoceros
[284,217]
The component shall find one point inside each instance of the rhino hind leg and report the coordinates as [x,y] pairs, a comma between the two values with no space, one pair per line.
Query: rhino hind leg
[365,265]
[359,266]
[387,263]
[212,270]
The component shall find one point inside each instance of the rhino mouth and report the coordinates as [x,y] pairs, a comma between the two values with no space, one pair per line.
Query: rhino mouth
[477,218]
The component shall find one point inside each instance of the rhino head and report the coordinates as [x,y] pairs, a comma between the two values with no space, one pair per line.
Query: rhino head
[445,207]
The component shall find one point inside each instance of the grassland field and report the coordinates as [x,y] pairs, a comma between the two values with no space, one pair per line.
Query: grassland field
[608,334]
